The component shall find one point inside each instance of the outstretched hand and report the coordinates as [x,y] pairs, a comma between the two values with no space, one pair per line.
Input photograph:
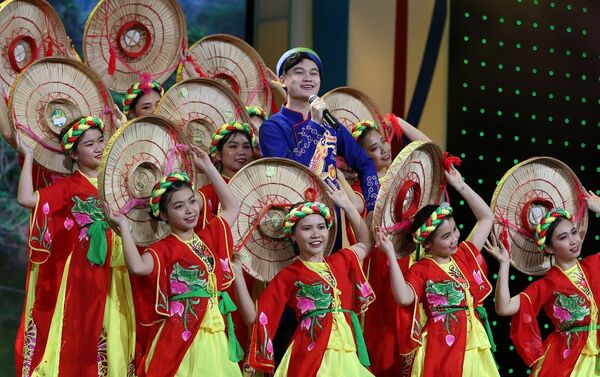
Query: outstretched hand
[338,195]
[496,249]
[383,242]
[22,146]
[453,177]
[115,218]
[201,159]
[120,117]
[593,201]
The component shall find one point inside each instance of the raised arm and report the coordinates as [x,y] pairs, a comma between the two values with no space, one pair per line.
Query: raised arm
[245,303]
[140,265]
[483,213]
[26,196]
[505,305]
[593,201]
[356,199]
[230,207]
[410,131]
[403,294]
[364,242]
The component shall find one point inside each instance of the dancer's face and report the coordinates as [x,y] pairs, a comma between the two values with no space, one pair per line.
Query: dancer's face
[183,210]
[89,149]
[236,153]
[311,235]
[377,149]
[444,241]
[565,242]
[146,104]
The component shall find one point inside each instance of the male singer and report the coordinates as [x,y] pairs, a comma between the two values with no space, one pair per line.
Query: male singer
[306,132]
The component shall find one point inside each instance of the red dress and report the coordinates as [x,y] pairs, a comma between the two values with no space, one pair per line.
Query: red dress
[306,292]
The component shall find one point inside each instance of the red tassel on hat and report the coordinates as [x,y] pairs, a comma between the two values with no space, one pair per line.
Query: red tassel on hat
[450,160]
[50,49]
[396,127]
[112,61]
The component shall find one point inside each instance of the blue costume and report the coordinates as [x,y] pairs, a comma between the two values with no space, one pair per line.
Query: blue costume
[287,134]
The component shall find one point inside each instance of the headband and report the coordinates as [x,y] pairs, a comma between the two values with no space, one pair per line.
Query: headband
[311,54]
[162,186]
[256,111]
[542,228]
[77,130]
[304,209]
[359,128]
[139,89]
[228,128]
[430,225]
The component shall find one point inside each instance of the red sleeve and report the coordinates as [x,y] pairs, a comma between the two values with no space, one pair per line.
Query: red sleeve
[49,222]
[362,293]
[407,320]
[524,328]
[269,308]
[218,238]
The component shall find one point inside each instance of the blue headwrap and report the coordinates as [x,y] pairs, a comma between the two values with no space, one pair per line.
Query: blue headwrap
[311,54]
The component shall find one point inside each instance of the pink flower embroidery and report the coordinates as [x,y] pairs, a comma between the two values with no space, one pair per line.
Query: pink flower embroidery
[82,218]
[176,308]
[47,238]
[365,289]
[262,319]
[178,287]
[311,346]
[566,353]
[225,265]
[46,208]
[68,223]
[269,346]
[450,339]
[436,299]
[186,335]
[305,304]
[561,314]
[477,277]
[439,317]
[83,234]
[305,324]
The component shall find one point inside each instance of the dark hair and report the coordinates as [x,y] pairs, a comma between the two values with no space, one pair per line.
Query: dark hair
[362,136]
[294,60]
[228,136]
[422,216]
[166,196]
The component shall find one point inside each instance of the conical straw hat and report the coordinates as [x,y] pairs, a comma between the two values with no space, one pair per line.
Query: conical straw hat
[351,106]
[134,38]
[266,189]
[50,94]
[29,30]
[199,107]
[523,196]
[237,64]
[414,180]
[135,159]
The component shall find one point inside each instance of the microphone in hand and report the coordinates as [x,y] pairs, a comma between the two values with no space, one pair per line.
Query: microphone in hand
[327,116]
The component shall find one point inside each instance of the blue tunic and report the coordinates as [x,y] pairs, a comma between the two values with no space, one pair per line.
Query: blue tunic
[287,134]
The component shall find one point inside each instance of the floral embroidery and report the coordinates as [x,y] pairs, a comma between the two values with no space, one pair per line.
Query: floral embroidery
[312,297]
[569,309]
[68,223]
[29,345]
[365,294]
[200,249]
[266,348]
[102,356]
[226,269]
[183,280]
[478,279]
[42,235]
[85,213]
[443,298]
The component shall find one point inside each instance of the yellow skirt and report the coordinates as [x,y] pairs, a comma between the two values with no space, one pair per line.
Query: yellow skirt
[478,361]
[208,355]
[340,358]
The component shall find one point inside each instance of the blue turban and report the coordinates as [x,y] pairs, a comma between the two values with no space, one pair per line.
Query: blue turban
[311,54]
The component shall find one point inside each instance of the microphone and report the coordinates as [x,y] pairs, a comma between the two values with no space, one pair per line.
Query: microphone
[327,116]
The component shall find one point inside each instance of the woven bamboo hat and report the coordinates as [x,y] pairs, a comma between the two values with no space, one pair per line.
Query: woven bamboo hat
[29,30]
[266,189]
[414,180]
[198,107]
[237,64]
[351,106]
[523,196]
[125,39]
[135,158]
[279,93]
[50,94]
